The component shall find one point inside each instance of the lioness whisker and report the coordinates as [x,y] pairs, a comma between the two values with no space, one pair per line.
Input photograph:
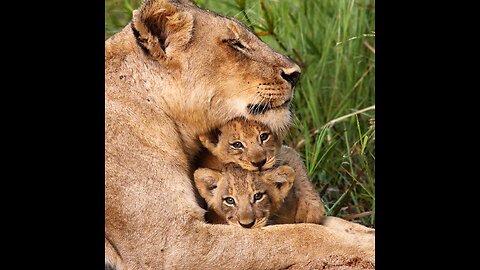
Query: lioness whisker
[241,91]
[251,109]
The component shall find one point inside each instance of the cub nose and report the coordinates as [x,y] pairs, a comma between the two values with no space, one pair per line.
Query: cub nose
[248,226]
[291,75]
[259,164]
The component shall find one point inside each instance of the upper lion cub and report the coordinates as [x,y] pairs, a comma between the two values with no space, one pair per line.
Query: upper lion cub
[254,147]
[246,143]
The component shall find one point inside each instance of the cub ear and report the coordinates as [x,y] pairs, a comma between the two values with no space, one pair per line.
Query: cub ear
[210,139]
[282,177]
[160,28]
[206,181]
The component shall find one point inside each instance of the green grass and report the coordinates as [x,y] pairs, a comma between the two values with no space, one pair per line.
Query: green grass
[333,41]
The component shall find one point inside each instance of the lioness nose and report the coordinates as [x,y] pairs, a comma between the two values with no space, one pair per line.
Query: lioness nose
[248,226]
[291,75]
[259,164]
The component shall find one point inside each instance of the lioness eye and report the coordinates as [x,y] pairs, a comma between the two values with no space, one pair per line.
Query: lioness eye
[238,44]
[237,145]
[264,136]
[229,200]
[258,196]
[235,43]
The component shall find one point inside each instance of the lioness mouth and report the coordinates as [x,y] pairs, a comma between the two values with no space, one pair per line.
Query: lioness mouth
[257,109]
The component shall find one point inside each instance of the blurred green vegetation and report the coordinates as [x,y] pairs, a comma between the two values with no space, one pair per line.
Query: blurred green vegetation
[334,129]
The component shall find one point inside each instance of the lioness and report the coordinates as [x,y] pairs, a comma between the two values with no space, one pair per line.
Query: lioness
[243,198]
[173,73]
[254,146]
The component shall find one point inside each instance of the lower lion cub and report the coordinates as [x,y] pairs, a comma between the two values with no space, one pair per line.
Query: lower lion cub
[244,198]
[249,179]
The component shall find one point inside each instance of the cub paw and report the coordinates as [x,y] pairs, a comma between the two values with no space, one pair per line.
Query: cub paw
[309,213]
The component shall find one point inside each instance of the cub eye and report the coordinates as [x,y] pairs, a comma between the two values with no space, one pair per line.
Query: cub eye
[258,196]
[237,145]
[264,137]
[229,201]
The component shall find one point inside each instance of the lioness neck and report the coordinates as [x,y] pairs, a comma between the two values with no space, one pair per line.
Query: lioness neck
[155,88]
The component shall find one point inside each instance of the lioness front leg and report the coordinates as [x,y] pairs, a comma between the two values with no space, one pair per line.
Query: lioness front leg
[340,224]
[272,247]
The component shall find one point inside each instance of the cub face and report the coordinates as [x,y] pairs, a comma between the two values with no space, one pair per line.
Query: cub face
[244,142]
[243,198]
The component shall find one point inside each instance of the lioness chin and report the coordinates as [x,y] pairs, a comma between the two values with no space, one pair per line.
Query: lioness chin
[174,72]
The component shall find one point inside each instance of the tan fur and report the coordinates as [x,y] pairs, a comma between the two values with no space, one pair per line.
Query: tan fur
[303,203]
[112,258]
[155,108]
[253,151]
[241,186]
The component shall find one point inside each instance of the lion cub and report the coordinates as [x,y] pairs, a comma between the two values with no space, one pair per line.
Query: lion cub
[254,147]
[243,198]
[246,143]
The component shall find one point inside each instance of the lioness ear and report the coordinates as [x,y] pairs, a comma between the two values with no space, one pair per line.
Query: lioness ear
[282,177]
[160,28]
[206,181]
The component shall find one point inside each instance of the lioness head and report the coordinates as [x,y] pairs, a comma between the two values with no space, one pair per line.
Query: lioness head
[244,198]
[218,67]
[247,143]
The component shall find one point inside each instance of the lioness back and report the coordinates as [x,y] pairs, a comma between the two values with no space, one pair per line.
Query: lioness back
[243,198]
